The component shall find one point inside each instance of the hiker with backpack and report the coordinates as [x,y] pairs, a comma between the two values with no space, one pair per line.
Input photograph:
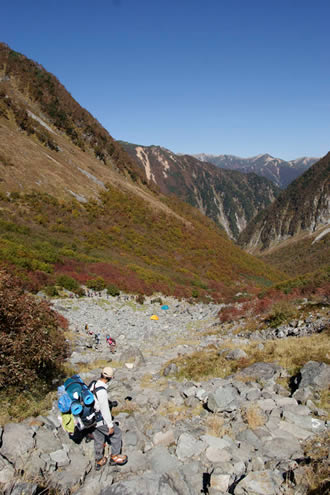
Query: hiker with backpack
[86,412]
[111,343]
[108,431]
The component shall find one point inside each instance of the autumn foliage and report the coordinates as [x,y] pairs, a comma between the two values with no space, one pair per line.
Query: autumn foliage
[32,344]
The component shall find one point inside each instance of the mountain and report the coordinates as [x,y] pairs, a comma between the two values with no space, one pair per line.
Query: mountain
[293,232]
[75,206]
[280,172]
[228,197]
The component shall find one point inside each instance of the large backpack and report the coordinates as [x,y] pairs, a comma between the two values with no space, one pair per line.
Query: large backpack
[75,397]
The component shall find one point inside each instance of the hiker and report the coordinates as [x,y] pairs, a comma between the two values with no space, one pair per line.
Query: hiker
[112,344]
[109,431]
[97,338]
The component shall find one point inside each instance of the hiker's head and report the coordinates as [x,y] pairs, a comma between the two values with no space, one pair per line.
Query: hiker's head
[107,373]
[108,337]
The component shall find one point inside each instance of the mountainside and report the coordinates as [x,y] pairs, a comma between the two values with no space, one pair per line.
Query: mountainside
[230,198]
[280,172]
[297,222]
[42,125]
[73,203]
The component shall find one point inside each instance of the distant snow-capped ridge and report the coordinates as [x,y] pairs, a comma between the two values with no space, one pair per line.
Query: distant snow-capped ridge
[279,171]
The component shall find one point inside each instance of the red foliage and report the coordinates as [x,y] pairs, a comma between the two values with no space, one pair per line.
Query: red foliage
[32,346]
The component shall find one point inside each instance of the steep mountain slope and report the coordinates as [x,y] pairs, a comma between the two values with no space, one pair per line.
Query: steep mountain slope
[72,202]
[280,172]
[230,198]
[34,102]
[296,225]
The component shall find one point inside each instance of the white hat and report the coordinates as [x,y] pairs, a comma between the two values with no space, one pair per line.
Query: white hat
[107,372]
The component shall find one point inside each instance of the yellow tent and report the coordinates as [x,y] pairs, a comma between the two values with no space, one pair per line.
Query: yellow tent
[154,317]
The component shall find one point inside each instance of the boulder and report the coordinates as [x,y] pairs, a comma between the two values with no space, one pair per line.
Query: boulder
[188,446]
[315,375]
[161,460]
[262,371]
[70,479]
[224,398]
[260,483]
[220,482]
[132,355]
[217,455]
[17,441]
[7,471]
[282,448]
[165,438]
[236,354]
[150,484]
[306,422]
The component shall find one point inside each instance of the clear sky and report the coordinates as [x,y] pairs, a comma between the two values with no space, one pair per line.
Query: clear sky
[240,77]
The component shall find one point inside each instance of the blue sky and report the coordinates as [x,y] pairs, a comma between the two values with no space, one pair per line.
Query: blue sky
[214,76]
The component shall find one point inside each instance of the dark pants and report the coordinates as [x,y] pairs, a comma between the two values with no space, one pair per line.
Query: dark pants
[101,436]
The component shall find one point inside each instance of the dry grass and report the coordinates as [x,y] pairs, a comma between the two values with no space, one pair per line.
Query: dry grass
[99,363]
[316,473]
[254,417]
[23,405]
[215,426]
[129,408]
[324,402]
[177,413]
[291,353]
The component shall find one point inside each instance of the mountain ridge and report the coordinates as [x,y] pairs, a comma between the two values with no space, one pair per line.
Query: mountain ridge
[280,172]
[228,197]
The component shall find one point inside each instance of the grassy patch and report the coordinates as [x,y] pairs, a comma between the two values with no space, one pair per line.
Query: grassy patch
[291,353]
[16,406]
[254,417]
[99,363]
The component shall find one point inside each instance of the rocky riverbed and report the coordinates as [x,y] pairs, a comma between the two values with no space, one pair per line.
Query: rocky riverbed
[243,434]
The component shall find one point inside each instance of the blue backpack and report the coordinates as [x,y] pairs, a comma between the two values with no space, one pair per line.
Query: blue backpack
[75,397]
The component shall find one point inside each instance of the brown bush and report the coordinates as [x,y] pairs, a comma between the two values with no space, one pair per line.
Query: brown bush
[32,345]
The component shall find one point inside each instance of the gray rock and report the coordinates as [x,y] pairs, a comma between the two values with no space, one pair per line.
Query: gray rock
[73,477]
[60,458]
[262,371]
[165,438]
[188,446]
[250,437]
[189,391]
[161,460]
[315,375]
[216,442]
[132,355]
[282,448]
[17,441]
[260,483]
[222,399]
[292,429]
[217,455]
[306,422]
[171,369]
[7,471]
[46,441]
[220,482]
[236,354]
[23,488]
[150,484]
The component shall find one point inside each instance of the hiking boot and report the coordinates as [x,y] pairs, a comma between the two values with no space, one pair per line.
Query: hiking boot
[118,460]
[99,464]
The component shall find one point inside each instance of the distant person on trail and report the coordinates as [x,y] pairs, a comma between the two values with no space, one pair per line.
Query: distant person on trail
[108,430]
[111,343]
[97,338]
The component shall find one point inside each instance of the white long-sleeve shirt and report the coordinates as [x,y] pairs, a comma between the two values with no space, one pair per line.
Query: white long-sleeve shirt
[102,397]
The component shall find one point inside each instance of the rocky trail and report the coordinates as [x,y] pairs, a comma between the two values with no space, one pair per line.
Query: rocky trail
[242,435]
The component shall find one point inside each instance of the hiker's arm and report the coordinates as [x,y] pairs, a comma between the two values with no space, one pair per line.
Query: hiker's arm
[104,408]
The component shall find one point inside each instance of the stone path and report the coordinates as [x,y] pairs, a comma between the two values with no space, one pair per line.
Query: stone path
[241,435]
